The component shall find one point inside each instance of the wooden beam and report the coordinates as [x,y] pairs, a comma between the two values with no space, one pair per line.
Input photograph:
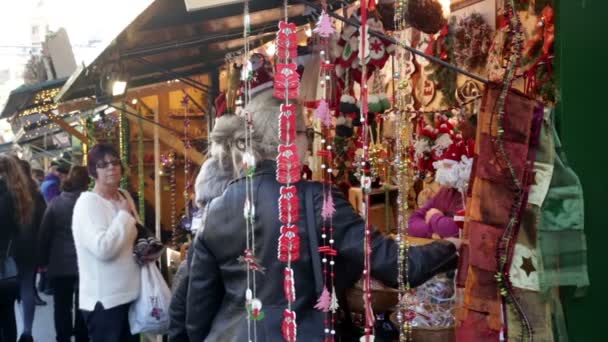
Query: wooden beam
[154,89]
[73,131]
[166,136]
[78,104]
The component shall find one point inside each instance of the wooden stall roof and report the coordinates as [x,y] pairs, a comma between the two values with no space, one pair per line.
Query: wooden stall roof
[24,97]
[166,42]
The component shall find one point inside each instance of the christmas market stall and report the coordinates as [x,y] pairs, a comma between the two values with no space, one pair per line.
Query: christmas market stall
[42,131]
[435,118]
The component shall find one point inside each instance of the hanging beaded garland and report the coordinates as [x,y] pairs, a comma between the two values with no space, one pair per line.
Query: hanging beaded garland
[328,301]
[187,147]
[404,103]
[363,169]
[169,165]
[286,86]
[124,147]
[252,303]
[507,239]
[140,170]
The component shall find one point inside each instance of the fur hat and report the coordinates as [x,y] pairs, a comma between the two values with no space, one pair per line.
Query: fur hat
[211,181]
[228,135]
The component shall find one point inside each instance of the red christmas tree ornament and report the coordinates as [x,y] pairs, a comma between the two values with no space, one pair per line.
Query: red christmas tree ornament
[289,204]
[287,81]
[289,243]
[289,326]
[287,40]
[287,123]
[287,160]
[288,285]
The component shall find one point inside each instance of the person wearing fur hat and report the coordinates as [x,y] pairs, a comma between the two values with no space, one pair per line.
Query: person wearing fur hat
[218,281]
[210,183]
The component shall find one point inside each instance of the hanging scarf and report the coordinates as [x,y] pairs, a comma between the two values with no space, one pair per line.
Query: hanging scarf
[490,204]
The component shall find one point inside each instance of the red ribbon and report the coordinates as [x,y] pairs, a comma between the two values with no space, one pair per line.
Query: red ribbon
[430,50]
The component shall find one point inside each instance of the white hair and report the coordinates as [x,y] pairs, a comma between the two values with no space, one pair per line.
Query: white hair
[228,135]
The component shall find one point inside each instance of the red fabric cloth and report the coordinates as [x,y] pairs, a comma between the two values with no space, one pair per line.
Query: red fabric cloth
[489,205]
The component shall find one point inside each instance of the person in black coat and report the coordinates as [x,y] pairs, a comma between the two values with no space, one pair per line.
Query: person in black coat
[210,183]
[59,255]
[15,211]
[27,257]
[218,281]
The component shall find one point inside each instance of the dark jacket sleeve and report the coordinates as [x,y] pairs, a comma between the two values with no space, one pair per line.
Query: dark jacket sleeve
[349,229]
[205,291]
[45,236]
[7,218]
[177,308]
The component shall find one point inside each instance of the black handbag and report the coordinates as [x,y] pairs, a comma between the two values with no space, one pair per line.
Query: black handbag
[147,248]
[8,270]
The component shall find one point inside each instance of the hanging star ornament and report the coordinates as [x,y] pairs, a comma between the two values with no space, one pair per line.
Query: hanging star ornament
[527,265]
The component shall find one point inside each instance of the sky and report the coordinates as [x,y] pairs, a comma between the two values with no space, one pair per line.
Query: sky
[84,20]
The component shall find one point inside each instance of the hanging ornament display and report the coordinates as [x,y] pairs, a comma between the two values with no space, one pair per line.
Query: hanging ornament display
[538,53]
[124,147]
[508,239]
[364,172]
[404,101]
[378,102]
[187,146]
[327,302]
[252,303]
[169,162]
[425,91]
[286,85]
[376,51]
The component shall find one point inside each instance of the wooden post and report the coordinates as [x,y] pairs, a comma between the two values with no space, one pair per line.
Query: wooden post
[66,126]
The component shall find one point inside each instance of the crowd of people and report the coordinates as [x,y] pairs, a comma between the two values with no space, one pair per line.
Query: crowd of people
[84,239]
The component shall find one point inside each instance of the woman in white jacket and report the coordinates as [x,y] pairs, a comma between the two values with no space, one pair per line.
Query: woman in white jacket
[104,232]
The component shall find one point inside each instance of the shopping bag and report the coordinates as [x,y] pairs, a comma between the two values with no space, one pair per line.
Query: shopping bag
[150,311]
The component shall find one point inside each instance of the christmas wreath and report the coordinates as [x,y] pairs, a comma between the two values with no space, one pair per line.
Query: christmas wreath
[472,41]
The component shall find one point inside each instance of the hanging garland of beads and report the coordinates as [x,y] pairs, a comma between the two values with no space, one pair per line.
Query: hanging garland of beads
[403,103]
[502,276]
[363,170]
[252,303]
[141,170]
[187,147]
[286,85]
[328,301]
[124,148]
[169,162]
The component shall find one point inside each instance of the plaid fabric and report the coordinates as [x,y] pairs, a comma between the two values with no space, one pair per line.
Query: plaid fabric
[561,236]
